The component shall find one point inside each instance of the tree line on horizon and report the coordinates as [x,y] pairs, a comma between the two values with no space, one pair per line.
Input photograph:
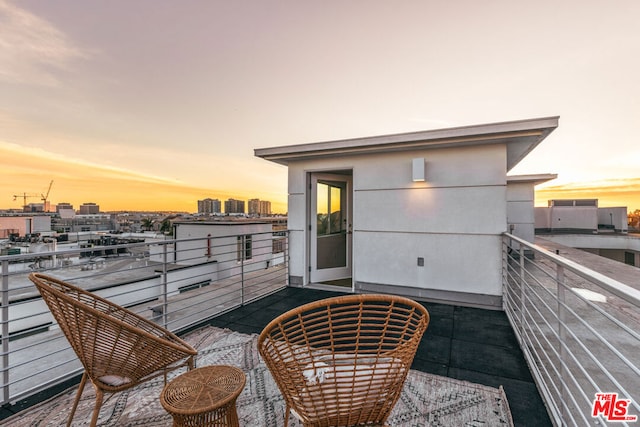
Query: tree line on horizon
[634,220]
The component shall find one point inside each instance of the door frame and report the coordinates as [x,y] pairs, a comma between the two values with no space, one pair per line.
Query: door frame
[315,275]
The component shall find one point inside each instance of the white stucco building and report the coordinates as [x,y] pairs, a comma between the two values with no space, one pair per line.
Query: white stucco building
[231,245]
[582,224]
[580,216]
[419,214]
[24,224]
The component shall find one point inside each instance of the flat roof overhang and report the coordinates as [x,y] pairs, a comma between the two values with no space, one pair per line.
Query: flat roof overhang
[520,136]
[531,179]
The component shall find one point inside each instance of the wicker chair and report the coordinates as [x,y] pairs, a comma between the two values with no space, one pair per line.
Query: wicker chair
[117,348]
[343,361]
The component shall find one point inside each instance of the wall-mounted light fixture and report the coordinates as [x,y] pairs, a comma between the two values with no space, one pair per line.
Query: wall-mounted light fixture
[418,169]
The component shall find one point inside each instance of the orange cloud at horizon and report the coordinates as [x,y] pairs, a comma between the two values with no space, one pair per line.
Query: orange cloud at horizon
[610,193]
[29,172]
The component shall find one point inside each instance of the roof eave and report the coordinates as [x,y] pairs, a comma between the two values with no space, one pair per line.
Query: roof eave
[521,137]
[534,179]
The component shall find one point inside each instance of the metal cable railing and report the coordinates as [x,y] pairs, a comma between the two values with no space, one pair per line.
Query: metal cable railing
[578,331]
[176,283]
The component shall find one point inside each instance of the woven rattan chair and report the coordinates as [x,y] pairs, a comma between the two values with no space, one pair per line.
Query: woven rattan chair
[343,361]
[117,348]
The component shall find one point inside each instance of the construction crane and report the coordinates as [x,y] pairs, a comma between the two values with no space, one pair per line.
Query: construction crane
[24,196]
[45,197]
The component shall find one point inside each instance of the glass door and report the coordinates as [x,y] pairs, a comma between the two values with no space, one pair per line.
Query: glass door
[330,227]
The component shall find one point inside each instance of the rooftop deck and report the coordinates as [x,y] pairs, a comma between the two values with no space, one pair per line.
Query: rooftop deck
[464,343]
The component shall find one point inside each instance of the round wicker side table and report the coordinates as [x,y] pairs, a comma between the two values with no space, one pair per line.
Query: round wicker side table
[204,396]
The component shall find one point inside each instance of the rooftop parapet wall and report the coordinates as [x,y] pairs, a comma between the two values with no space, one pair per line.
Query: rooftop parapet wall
[580,219]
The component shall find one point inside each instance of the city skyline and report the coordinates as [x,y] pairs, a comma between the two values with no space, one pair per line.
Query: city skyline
[153,191]
[167,110]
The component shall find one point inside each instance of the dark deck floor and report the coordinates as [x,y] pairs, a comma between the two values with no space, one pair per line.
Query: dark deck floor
[464,343]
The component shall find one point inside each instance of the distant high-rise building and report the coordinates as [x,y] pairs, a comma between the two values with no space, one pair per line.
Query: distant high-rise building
[209,206]
[234,206]
[63,206]
[34,207]
[265,207]
[89,209]
[254,207]
[259,207]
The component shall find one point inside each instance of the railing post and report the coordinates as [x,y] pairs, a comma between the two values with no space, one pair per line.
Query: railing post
[505,272]
[243,255]
[286,258]
[5,331]
[522,289]
[562,334]
[164,298]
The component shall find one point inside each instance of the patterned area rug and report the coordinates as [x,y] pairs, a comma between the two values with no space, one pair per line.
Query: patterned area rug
[427,400]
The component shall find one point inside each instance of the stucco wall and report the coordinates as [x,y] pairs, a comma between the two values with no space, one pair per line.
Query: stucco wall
[41,223]
[24,224]
[614,217]
[12,223]
[542,218]
[567,218]
[587,218]
[520,202]
[223,245]
[581,217]
[453,220]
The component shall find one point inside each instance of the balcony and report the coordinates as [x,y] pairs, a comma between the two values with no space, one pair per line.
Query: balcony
[551,349]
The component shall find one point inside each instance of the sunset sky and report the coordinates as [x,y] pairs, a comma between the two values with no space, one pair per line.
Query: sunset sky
[153,104]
